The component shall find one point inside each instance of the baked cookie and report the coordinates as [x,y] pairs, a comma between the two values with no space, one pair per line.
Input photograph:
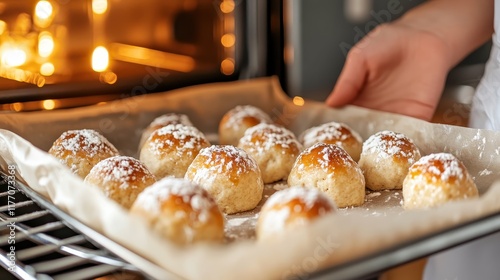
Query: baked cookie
[81,149]
[121,178]
[274,148]
[291,208]
[385,160]
[171,149]
[237,120]
[180,211]
[331,170]
[231,176]
[436,179]
[334,133]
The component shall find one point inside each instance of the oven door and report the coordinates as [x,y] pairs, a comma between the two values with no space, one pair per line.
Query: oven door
[60,53]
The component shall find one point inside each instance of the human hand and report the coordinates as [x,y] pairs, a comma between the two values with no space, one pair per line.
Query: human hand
[395,68]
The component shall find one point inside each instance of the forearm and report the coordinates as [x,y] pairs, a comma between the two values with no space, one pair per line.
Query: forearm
[462,25]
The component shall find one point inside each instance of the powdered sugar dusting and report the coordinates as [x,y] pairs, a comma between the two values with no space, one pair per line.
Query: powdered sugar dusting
[238,113]
[387,144]
[442,166]
[485,172]
[275,220]
[225,156]
[372,195]
[280,186]
[278,209]
[170,118]
[153,197]
[263,137]
[309,197]
[123,170]
[87,140]
[180,137]
[328,156]
[332,132]
[223,159]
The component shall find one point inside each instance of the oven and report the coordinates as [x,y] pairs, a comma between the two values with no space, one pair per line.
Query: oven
[59,54]
[64,53]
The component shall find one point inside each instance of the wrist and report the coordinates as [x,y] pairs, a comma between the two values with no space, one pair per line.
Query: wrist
[459,26]
[431,39]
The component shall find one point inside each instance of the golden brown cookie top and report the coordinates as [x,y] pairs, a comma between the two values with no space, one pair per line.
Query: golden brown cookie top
[440,167]
[181,198]
[264,137]
[125,171]
[329,158]
[226,160]
[389,144]
[245,115]
[330,133]
[86,142]
[176,137]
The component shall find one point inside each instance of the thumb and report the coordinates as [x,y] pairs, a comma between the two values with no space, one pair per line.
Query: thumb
[349,83]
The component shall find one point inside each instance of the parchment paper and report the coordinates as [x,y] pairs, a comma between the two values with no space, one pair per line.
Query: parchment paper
[334,239]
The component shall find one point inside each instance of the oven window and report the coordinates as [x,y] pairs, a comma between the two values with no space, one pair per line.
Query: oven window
[52,49]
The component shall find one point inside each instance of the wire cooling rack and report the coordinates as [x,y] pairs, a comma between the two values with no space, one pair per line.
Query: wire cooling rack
[39,241]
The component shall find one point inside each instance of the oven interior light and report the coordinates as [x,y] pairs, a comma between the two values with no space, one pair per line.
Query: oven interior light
[99,7]
[43,9]
[45,44]
[17,107]
[44,13]
[49,104]
[227,66]
[100,59]
[228,40]
[47,69]
[227,6]
[298,101]
[24,76]
[108,77]
[150,57]
[13,57]
[3,27]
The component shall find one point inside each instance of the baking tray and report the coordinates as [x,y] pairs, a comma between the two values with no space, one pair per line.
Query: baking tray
[413,234]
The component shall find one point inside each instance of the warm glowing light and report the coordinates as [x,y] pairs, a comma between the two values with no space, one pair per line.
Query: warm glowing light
[229,23]
[48,104]
[150,57]
[44,13]
[108,78]
[100,59]
[47,69]
[13,57]
[23,76]
[227,66]
[45,44]
[3,27]
[16,106]
[43,9]
[99,6]
[228,40]
[299,101]
[227,6]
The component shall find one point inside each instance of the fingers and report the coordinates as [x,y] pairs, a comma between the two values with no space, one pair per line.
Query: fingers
[350,81]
